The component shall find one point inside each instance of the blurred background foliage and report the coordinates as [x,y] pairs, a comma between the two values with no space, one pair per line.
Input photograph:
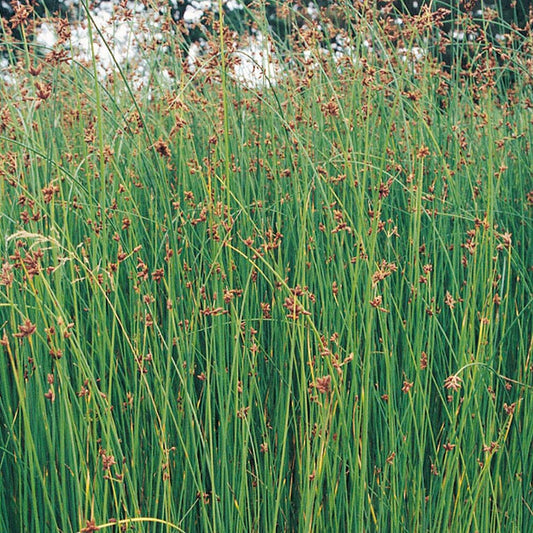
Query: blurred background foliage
[514,14]
[463,26]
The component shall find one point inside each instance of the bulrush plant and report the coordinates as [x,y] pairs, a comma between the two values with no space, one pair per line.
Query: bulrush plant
[301,305]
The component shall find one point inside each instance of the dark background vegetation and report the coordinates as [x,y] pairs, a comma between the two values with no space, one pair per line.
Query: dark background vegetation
[513,12]
[495,19]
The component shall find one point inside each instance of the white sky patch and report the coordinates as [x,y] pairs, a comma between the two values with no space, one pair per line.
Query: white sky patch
[115,41]
[412,55]
[231,5]
[256,66]
[312,10]
[46,35]
[196,9]
[458,35]
[192,15]
[121,38]
[195,54]
[6,74]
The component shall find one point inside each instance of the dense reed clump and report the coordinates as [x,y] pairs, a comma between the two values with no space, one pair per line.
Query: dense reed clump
[298,302]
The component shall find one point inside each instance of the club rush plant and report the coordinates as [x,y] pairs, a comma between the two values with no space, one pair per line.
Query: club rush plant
[297,304]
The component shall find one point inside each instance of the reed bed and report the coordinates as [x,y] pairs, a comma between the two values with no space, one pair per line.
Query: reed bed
[300,305]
